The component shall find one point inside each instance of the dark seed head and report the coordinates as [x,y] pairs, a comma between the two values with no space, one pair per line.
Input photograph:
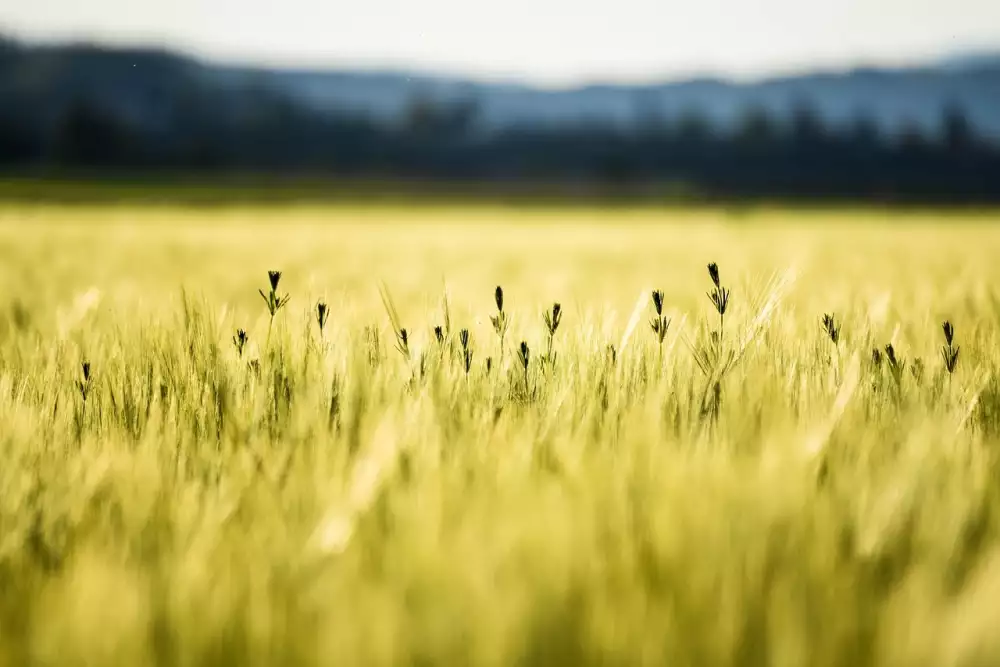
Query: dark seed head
[524,354]
[240,341]
[439,334]
[322,313]
[552,319]
[949,332]
[713,272]
[403,336]
[498,295]
[831,328]
[876,357]
[890,353]
[274,277]
[463,338]
[86,371]
[658,302]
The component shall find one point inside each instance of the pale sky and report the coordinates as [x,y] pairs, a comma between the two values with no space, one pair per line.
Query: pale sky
[553,42]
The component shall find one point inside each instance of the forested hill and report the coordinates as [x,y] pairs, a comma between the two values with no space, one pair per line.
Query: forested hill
[931,131]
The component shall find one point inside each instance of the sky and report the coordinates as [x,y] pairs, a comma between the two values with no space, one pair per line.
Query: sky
[546,42]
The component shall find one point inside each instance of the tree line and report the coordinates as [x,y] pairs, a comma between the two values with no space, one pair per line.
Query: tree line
[760,155]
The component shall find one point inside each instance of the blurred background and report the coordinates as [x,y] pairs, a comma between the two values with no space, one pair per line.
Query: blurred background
[897,100]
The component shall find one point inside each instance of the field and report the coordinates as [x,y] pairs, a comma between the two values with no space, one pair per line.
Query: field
[744,490]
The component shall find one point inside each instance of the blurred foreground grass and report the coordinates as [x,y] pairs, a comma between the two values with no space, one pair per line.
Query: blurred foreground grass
[323,499]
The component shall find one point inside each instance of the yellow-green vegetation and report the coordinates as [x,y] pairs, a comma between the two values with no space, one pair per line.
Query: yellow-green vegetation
[632,479]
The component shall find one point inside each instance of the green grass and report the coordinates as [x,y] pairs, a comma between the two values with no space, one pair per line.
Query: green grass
[318,501]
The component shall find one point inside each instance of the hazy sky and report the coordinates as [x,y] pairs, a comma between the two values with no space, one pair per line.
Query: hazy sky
[545,41]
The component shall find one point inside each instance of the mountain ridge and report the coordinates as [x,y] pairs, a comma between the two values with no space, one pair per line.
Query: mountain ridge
[894,98]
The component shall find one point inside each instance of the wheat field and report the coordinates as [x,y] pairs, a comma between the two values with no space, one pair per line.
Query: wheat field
[633,488]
